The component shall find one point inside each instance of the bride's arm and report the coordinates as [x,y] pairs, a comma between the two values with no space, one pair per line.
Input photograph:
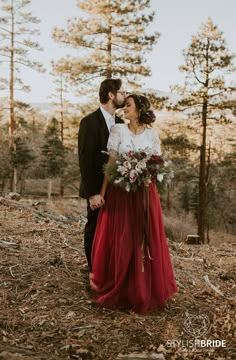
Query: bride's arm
[105,181]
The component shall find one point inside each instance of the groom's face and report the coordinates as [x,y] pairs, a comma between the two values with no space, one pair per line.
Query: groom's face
[119,98]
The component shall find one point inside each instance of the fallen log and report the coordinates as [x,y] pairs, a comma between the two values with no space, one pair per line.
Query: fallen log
[213,287]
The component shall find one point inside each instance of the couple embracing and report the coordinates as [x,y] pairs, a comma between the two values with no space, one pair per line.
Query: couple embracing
[125,271]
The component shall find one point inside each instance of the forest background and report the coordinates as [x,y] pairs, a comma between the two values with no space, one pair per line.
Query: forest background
[196,120]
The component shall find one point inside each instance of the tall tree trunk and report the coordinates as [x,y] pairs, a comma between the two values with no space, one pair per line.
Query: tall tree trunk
[202,196]
[62,132]
[109,55]
[62,110]
[207,191]
[49,188]
[11,102]
[14,187]
[202,177]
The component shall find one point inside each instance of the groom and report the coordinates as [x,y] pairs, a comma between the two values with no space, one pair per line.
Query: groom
[92,140]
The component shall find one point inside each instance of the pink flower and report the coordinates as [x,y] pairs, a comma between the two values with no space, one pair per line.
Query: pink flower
[141,165]
[133,176]
[127,165]
[122,170]
[131,153]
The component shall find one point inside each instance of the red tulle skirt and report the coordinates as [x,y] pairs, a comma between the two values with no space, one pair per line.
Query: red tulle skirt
[128,272]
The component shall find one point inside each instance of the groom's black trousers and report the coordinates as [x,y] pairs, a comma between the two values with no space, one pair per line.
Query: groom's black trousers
[89,231]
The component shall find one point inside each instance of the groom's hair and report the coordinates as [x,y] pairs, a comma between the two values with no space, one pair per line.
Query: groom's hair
[108,85]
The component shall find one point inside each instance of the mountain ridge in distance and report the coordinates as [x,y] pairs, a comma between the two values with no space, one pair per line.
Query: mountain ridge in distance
[47,106]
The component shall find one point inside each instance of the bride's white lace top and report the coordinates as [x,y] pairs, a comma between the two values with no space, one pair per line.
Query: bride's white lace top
[122,140]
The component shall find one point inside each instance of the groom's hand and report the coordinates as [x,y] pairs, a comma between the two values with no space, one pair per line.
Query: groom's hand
[96,201]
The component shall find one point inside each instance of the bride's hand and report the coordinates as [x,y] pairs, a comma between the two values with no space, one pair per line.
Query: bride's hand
[96,201]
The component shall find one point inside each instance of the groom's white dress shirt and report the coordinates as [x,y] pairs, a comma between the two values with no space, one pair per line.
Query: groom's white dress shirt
[110,119]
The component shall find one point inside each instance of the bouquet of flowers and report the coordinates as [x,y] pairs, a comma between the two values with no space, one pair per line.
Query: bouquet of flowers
[135,169]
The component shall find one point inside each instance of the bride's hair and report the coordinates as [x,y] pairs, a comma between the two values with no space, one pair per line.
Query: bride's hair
[143,105]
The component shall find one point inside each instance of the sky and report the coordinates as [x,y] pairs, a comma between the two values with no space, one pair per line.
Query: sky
[176,20]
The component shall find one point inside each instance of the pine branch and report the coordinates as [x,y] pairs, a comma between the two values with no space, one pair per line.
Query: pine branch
[5,55]
[33,65]
[195,74]
[1,28]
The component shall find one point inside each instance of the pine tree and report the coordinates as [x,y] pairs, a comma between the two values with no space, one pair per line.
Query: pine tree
[53,153]
[180,144]
[21,159]
[112,37]
[15,34]
[60,103]
[22,153]
[205,96]
[5,160]
[61,106]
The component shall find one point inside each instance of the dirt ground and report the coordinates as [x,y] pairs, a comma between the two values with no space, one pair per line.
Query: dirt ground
[47,309]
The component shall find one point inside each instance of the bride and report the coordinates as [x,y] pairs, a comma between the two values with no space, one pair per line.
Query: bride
[128,272]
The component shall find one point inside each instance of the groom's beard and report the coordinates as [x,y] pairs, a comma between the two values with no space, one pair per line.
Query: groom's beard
[118,104]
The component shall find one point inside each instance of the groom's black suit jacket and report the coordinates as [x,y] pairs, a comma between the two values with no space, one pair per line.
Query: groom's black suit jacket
[92,140]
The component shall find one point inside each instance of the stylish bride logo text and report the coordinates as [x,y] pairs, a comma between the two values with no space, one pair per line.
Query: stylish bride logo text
[196,326]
